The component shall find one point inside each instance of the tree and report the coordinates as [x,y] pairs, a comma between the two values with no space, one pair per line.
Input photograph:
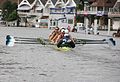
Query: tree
[13,16]
[79,7]
[9,11]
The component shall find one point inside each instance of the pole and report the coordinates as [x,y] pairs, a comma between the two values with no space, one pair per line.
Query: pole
[109,26]
[86,24]
[95,26]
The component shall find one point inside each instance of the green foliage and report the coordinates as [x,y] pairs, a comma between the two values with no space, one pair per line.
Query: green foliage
[77,18]
[9,12]
[13,16]
[80,7]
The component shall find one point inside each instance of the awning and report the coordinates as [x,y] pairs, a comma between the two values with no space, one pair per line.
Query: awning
[44,17]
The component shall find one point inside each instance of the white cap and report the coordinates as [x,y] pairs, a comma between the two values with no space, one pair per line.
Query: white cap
[66,31]
[62,30]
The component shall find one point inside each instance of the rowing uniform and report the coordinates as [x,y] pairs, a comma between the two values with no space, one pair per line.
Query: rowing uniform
[66,42]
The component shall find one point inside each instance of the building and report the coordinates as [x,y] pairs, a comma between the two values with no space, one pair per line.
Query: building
[50,13]
[114,15]
[63,15]
[96,13]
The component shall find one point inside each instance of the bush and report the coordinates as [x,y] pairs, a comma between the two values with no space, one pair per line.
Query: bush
[9,11]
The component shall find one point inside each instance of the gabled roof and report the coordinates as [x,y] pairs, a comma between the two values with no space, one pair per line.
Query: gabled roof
[70,3]
[103,3]
[117,4]
[24,5]
[38,4]
[44,1]
[60,4]
[54,1]
[49,4]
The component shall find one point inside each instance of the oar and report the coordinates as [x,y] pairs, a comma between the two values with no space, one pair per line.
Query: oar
[24,38]
[27,43]
[108,41]
[77,41]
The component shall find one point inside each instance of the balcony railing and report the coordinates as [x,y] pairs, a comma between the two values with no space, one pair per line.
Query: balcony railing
[24,14]
[98,13]
[114,12]
[70,10]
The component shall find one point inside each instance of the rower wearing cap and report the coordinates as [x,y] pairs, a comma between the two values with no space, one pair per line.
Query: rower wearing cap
[66,40]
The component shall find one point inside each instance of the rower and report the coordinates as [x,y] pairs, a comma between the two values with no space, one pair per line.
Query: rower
[66,40]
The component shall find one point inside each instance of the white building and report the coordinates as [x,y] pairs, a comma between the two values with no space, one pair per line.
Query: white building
[24,8]
[51,14]
[63,14]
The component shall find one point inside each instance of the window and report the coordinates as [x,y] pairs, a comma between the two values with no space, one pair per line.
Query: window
[64,21]
[54,23]
[44,22]
[93,8]
[70,21]
[100,8]
[106,8]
